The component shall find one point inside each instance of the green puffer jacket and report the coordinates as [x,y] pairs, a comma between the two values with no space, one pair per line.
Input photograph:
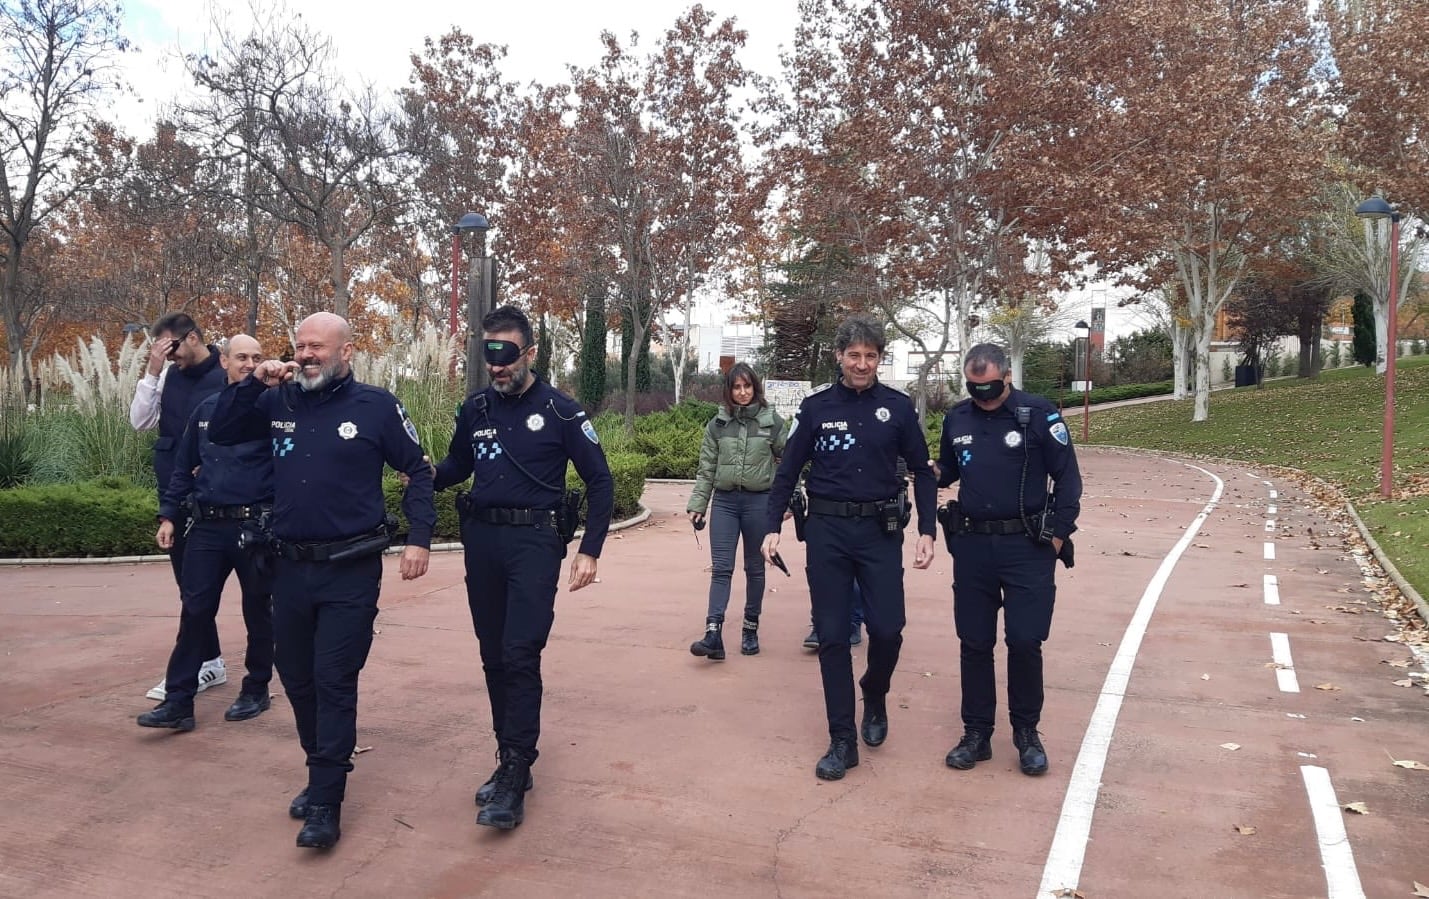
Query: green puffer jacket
[738,451]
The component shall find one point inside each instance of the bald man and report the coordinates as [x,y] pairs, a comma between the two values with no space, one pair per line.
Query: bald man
[224,490]
[331,436]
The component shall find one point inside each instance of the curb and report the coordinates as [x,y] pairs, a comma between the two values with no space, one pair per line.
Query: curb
[638,518]
[1388,566]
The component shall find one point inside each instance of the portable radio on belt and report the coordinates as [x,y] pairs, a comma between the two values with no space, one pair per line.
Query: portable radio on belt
[1039,526]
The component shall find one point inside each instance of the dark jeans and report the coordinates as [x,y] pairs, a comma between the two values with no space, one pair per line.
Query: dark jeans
[735,514]
[1014,574]
[322,621]
[840,551]
[512,573]
[211,553]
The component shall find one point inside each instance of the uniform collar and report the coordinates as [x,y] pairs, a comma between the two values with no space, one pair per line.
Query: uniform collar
[195,372]
[329,388]
[529,393]
[1012,401]
[849,392]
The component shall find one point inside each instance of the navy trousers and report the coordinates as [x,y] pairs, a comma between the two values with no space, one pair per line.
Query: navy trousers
[322,625]
[211,553]
[512,574]
[838,552]
[1014,574]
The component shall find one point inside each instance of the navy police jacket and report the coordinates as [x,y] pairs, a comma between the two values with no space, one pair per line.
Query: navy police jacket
[328,449]
[986,451]
[539,429]
[237,475]
[183,389]
[854,440]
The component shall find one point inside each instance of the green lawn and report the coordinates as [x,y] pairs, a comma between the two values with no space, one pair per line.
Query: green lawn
[1331,428]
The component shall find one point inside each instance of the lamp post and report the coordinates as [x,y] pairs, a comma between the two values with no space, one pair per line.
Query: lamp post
[1084,334]
[1374,209]
[472,221]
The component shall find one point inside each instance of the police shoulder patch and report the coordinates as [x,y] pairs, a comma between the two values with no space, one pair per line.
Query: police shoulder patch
[588,430]
[821,388]
[1059,433]
[407,425]
[895,389]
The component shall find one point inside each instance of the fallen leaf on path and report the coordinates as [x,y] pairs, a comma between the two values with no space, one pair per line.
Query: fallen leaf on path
[1404,683]
[1294,715]
[1411,765]
[1361,720]
[1244,829]
[1359,808]
[1205,677]
[1421,890]
[1328,688]
[1396,663]
[1069,893]
[361,749]
[1231,746]
[1278,665]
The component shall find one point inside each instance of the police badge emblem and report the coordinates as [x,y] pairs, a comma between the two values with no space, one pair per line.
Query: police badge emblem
[882,413]
[1013,439]
[347,430]
[535,422]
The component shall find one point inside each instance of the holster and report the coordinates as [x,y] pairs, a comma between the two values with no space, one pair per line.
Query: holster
[799,506]
[950,516]
[568,515]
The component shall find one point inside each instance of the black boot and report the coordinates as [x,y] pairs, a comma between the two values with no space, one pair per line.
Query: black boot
[974,747]
[298,808]
[1032,758]
[842,755]
[322,827]
[170,715]
[812,641]
[875,719]
[486,790]
[507,807]
[749,637]
[712,646]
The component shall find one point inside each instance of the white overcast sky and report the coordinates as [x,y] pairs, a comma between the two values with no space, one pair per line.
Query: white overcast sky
[374,41]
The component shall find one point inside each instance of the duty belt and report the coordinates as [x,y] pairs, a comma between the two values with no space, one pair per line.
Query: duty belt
[206,512]
[1003,527]
[844,509]
[369,544]
[538,517]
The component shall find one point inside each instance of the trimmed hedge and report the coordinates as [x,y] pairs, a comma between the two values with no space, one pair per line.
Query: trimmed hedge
[107,517]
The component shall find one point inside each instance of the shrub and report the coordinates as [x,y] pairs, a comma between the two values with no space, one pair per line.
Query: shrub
[1336,355]
[107,517]
[448,528]
[628,470]
[671,440]
[17,465]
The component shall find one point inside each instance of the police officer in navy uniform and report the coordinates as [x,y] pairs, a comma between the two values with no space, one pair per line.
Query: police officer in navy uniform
[232,491]
[330,437]
[516,437]
[854,431]
[182,370]
[1002,445]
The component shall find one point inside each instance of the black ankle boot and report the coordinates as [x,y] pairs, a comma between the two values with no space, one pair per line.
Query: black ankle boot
[749,637]
[712,646]
[507,807]
[169,715]
[488,789]
[322,827]
[1031,757]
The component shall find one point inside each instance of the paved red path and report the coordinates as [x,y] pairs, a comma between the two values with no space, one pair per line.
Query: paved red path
[666,775]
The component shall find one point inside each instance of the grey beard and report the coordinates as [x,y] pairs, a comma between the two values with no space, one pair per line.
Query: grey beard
[517,383]
[325,376]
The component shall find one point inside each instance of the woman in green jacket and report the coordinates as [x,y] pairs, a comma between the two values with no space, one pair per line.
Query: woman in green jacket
[737,461]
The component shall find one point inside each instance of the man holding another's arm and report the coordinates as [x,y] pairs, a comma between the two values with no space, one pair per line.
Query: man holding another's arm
[330,436]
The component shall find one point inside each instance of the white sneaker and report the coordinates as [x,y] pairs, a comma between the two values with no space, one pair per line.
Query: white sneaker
[213,673]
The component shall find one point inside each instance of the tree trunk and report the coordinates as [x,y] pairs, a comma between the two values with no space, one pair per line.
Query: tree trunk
[1381,336]
[339,279]
[15,331]
[631,365]
[1181,360]
[1203,371]
[1016,356]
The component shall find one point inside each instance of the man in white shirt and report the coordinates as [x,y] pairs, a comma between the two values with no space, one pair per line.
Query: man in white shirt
[164,399]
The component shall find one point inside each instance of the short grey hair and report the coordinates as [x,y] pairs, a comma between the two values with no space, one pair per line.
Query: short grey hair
[858,329]
[986,354]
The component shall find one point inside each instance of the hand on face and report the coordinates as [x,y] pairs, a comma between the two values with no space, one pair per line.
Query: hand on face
[273,372]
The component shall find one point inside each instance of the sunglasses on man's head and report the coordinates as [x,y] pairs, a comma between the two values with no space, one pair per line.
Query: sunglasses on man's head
[501,352]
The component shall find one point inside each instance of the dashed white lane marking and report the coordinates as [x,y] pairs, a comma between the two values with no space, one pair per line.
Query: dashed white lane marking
[1285,666]
[1270,525]
[1341,877]
[1074,826]
[1272,590]
[1270,551]
[1274,495]
[1271,509]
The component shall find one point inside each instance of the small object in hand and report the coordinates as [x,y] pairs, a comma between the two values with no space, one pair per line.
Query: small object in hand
[779,563]
[699,522]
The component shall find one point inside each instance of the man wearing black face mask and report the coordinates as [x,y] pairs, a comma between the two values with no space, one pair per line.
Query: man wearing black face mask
[514,439]
[1005,534]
